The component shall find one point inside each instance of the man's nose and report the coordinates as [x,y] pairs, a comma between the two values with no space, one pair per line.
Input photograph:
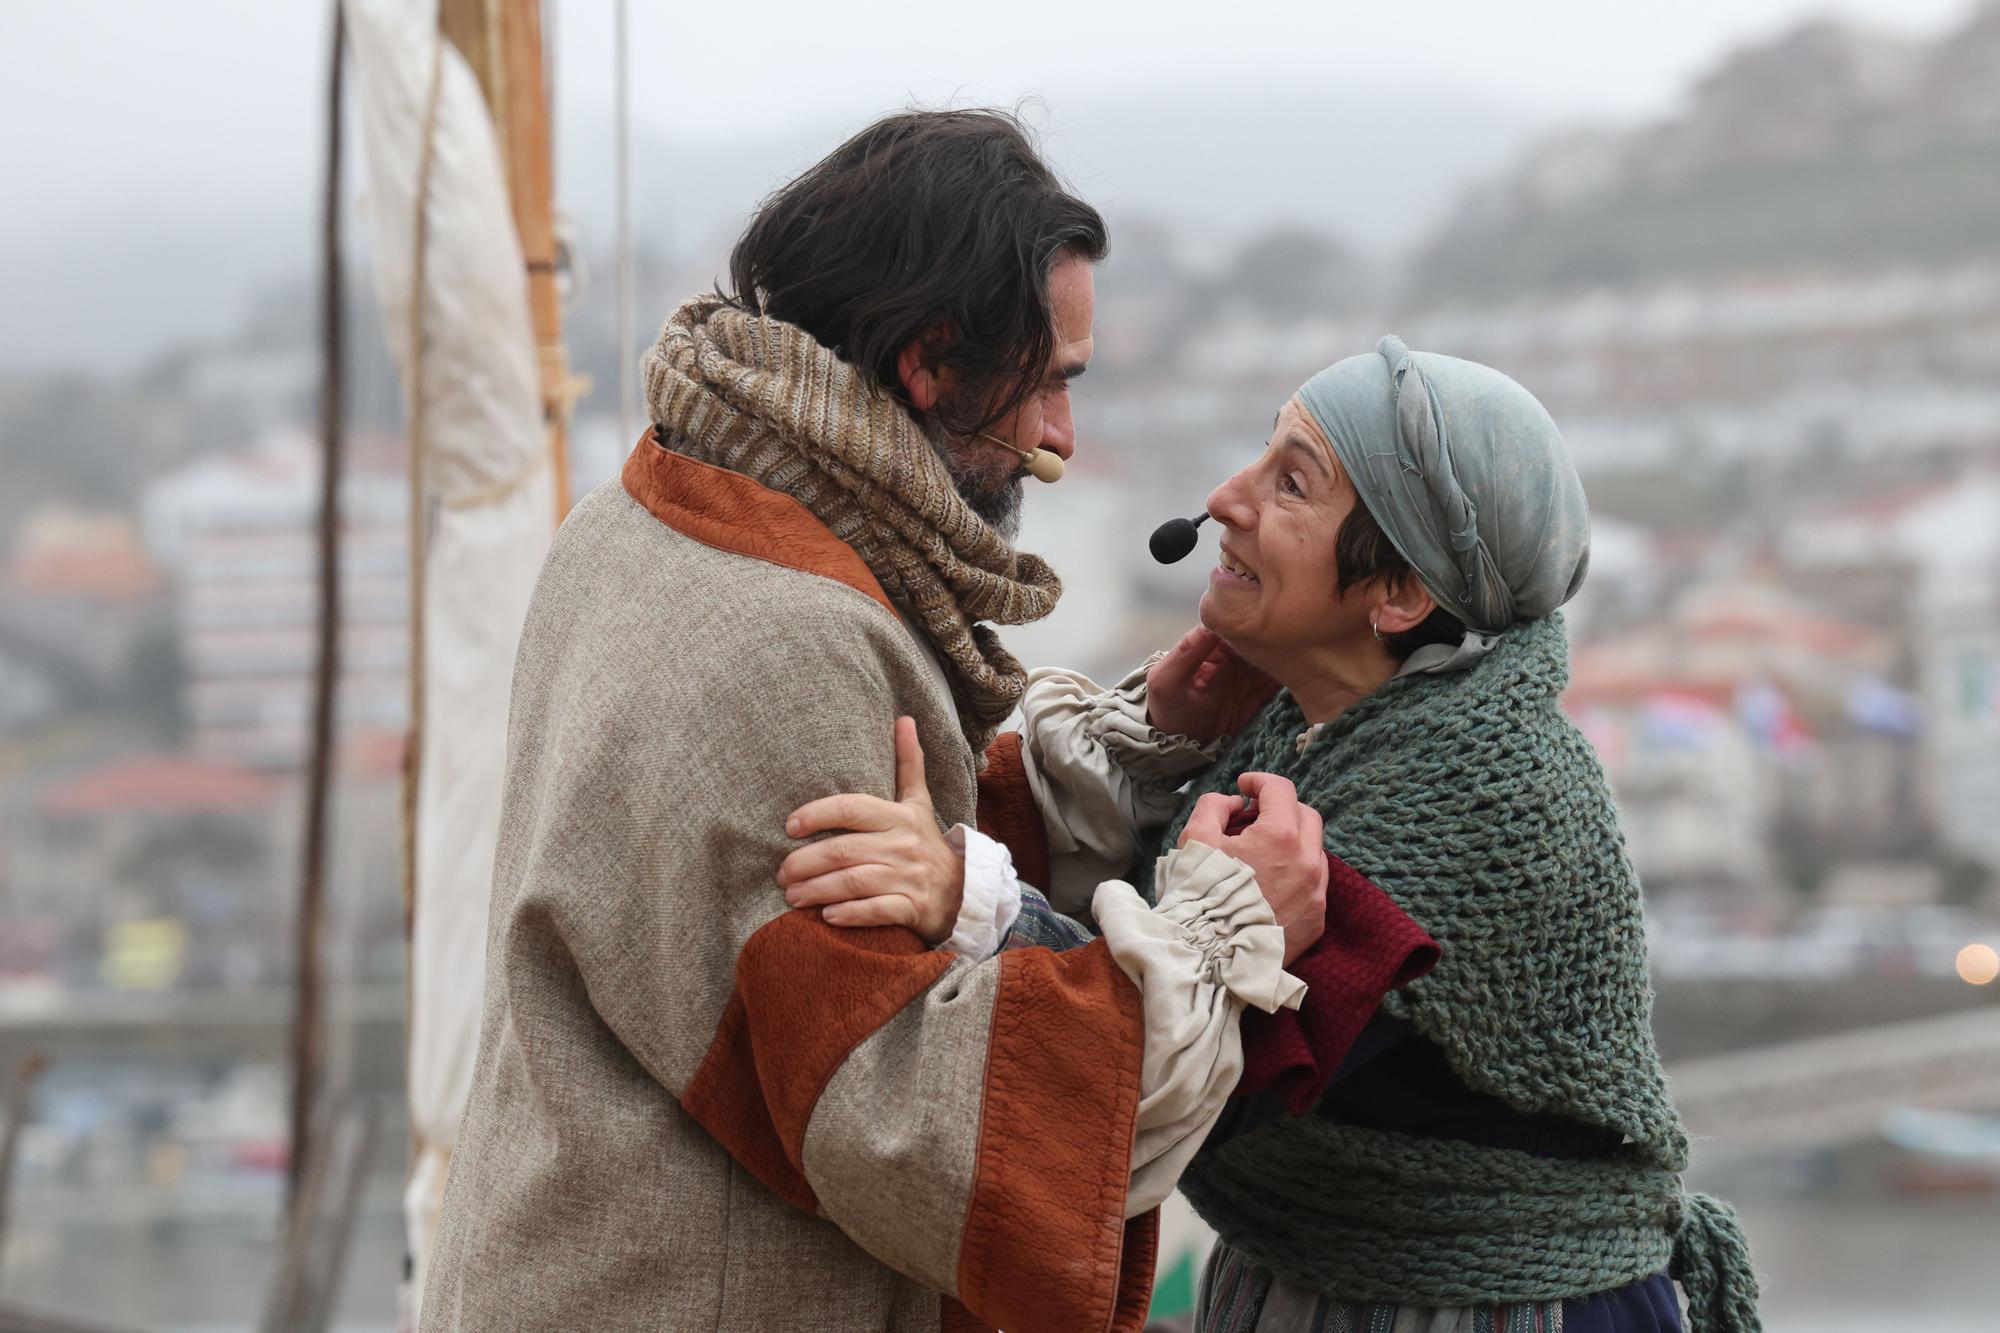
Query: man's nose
[1059,430]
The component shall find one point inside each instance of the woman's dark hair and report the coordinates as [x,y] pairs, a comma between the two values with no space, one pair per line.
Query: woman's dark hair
[1366,555]
[925,218]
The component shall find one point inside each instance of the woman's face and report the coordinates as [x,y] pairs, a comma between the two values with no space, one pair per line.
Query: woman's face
[1274,593]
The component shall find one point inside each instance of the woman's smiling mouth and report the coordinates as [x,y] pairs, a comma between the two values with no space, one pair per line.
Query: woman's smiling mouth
[1233,569]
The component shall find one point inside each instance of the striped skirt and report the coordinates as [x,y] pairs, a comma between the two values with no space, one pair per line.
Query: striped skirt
[1238,1296]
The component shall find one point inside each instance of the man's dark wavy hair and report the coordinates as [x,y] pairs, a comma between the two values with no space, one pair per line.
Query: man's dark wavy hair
[925,218]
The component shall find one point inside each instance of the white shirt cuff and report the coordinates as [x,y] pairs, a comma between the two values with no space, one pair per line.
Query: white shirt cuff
[991,900]
[1211,947]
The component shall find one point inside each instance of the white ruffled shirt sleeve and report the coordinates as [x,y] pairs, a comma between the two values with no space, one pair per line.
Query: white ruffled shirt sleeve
[1211,947]
[1102,776]
[991,898]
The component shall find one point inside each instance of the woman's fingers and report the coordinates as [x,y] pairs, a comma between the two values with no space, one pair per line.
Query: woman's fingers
[850,810]
[1214,664]
[890,867]
[889,910]
[1312,828]
[845,852]
[1207,673]
[1175,671]
[857,813]
[839,886]
[1277,799]
[1209,818]
[910,788]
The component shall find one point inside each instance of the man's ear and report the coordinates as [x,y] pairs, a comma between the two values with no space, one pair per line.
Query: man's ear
[1404,607]
[923,383]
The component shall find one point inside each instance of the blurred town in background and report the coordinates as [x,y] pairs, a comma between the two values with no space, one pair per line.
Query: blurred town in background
[1769,324]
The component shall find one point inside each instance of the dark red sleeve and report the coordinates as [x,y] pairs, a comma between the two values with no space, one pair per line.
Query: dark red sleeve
[1371,947]
[1007,812]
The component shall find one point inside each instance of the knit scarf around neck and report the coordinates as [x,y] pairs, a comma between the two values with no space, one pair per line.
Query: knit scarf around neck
[1475,804]
[762,398]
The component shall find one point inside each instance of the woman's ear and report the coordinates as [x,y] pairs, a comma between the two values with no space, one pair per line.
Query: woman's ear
[1404,606]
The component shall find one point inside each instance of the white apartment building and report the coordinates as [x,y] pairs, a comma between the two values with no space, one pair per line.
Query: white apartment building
[237,534]
[1949,537]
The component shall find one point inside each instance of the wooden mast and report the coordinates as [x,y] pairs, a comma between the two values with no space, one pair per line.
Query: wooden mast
[502,41]
[531,182]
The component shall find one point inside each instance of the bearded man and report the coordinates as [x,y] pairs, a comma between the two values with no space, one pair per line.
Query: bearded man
[694,1106]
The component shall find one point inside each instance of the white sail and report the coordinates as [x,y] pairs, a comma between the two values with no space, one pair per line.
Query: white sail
[489,513]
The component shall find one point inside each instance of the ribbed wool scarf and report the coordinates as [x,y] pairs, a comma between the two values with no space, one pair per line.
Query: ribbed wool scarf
[1475,804]
[762,398]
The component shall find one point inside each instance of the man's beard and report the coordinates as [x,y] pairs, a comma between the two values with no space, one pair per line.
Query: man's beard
[993,495]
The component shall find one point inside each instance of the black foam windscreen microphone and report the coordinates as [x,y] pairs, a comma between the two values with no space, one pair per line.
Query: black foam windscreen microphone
[1173,539]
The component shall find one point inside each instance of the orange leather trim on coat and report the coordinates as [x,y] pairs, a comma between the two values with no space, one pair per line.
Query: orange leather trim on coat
[806,995]
[1140,1263]
[1007,810]
[955,1318]
[1047,1248]
[730,512]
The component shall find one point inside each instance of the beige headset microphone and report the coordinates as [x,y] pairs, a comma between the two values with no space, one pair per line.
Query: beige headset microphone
[1043,464]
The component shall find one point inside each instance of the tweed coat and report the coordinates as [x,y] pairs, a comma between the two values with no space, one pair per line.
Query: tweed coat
[696,1109]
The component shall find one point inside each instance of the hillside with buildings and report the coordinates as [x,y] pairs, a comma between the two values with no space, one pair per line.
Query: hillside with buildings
[1787,413]
[1770,327]
[1826,146]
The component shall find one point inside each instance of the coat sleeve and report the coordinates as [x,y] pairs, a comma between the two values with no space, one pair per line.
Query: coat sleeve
[969,1123]
[1371,947]
[1208,951]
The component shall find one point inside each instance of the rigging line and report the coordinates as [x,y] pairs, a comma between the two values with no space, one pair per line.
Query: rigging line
[308,1034]
[626,352]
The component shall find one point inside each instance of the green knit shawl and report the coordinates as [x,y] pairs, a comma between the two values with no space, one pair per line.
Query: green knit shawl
[1476,805]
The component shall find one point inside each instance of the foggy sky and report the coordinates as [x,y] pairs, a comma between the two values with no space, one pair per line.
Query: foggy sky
[161,159]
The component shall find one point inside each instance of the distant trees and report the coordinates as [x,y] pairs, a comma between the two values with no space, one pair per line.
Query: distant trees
[1294,273]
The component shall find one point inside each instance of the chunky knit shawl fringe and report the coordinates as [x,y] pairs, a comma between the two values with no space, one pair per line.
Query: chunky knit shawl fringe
[762,398]
[1474,803]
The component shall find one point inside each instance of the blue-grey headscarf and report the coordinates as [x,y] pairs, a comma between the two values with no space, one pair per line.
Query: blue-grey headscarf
[1469,480]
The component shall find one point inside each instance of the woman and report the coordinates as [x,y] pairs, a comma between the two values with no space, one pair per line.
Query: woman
[1497,1147]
